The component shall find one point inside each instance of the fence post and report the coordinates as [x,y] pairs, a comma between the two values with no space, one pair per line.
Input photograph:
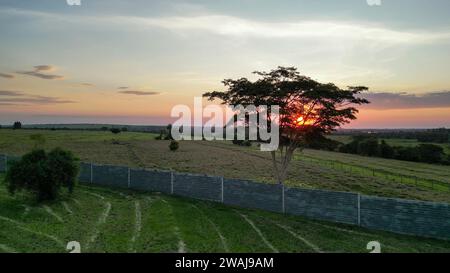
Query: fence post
[92,173]
[129,177]
[171,182]
[283,207]
[6,163]
[221,181]
[359,209]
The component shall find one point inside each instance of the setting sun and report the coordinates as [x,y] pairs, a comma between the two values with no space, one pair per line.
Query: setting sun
[300,121]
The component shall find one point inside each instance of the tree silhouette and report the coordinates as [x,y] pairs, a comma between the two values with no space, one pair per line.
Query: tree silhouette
[17,125]
[308,108]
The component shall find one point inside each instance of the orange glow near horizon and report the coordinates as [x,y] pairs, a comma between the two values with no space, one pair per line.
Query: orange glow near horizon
[300,121]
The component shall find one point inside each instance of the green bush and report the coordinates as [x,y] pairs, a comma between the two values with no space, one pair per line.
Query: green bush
[43,174]
[115,130]
[17,125]
[174,145]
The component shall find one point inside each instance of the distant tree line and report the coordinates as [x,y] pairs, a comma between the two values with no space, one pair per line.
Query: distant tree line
[371,146]
[89,127]
[440,135]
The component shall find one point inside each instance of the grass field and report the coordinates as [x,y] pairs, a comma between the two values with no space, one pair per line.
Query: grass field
[311,169]
[108,220]
[393,142]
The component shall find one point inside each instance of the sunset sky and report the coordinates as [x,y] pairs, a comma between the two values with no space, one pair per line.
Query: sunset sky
[130,62]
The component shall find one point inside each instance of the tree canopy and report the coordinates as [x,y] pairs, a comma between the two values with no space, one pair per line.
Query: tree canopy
[308,108]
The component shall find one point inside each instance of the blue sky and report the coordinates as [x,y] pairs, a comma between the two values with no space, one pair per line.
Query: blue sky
[69,61]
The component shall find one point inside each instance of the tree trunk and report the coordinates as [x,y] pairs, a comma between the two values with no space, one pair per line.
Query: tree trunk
[275,167]
[282,170]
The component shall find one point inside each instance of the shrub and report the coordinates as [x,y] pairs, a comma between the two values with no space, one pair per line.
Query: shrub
[115,131]
[43,174]
[17,125]
[431,153]
[174,145]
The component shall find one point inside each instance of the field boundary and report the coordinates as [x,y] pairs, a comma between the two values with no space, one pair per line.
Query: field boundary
[420,218]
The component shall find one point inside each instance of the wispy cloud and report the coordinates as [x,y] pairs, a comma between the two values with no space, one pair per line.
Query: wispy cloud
[44,67]
[139,93]
[227,25]
[122,87]
[7,76]
[235,26]
[387,100]
[37,72]
[14,98]
[10,93]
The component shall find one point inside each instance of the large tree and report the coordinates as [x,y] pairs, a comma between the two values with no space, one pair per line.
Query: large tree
[308,109]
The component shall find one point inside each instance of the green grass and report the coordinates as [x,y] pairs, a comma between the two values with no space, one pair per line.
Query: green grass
[310,169]
[109,220]
[401,142]
[416,174]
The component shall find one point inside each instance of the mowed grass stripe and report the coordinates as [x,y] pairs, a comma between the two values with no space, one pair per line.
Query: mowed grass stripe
[196,229]
[258,231]
[27,239]
[158,235]
[137,225]
[216,228]
[114,226]
[241,237]
[176,228]
[331,237]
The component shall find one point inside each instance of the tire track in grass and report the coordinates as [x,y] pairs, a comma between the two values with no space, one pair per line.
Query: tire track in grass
[295,235]
[181,244]
[176,230]
[22,227]
[76,201]
[7,249]
[52,213]
[67,208]
[290,231]
[95,194]
[261,235]
[101,219]
[362,234]
[27,210]
[137,226]
[216,228]
[353,232]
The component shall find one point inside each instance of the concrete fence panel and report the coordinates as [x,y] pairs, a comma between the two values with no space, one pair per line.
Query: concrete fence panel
[198,186]
[253,195]
[406,216]
[150,180]
[3,161]
[85,173]
[110,175]
[325,205]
